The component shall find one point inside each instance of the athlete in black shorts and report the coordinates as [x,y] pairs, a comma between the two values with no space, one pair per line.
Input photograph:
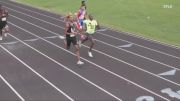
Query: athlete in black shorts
[3,21]
[71,36]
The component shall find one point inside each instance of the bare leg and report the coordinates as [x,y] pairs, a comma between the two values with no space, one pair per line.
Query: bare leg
[77,52]
[1,35]
[91,43]
[1,32]
[91,46]
[6,29]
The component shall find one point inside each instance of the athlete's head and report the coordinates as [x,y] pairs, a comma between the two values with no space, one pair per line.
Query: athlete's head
[90,17]
[83,3]
[69,16]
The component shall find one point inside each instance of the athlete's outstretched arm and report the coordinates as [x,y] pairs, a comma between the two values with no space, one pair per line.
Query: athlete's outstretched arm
[66,28]
[98,26]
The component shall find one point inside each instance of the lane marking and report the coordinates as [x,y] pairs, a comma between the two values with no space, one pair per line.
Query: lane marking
[101,30]
[51,37]
[168,73]
[31,40]
[104,42]
[9,43]
[59,90]
[66,67]
[33,11]
[145,98]
[100,66]
[62,37]
[117,38]
[171,93]
[130,34]
[99,33]
[139,55]
[103,53]
[9,85]
[126,46]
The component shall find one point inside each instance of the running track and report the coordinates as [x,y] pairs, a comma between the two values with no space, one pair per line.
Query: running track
[35,66]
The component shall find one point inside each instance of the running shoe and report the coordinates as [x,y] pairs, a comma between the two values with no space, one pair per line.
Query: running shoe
[90,54]
[80,63]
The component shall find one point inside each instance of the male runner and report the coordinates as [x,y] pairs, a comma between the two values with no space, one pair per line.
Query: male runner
[89,27]
[71,36]
[3,22]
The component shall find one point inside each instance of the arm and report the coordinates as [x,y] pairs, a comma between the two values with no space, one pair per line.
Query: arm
[97,26]
[6,12]
[66,28]
[84,28]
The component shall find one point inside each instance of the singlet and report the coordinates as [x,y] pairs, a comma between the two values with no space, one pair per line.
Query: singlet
[3,18]
[71,29]
[91,26]
[82,12]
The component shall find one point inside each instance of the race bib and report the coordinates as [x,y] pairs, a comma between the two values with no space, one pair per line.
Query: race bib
[3,19]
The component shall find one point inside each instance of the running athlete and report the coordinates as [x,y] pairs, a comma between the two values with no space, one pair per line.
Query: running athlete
[3,22]
[71,36]
[90,25]
[81,13]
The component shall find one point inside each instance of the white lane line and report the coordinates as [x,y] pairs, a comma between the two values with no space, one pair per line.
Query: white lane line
[101,30]
[102,42]
[32,17]
[37,73]
[100,52]
[168,73]
[94,63]
[125,46]
[147,39]
[67,68]
[117,38]
[131,34]
[9,85]
[102,34]
[33,11]
[133,66]
[109,35]
[31,40]
[9,43]
[51,37]
[119,48]
[34,25]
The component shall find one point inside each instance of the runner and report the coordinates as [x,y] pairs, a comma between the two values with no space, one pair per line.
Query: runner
[81,13]
[71,36]
[89,27]
[4,28]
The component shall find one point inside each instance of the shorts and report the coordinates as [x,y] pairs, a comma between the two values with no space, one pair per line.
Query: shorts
[2,24]
[70,40]
[90,37]
[81,22]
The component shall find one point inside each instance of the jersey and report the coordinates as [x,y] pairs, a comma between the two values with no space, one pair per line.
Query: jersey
[71,29]
[90,25]
[3,15]
[81,13]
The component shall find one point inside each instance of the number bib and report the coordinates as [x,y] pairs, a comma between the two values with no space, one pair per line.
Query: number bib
[3,19]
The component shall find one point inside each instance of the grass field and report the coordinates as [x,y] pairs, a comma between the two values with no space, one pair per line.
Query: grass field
[148,18]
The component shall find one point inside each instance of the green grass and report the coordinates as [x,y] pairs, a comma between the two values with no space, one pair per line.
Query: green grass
[127,15]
